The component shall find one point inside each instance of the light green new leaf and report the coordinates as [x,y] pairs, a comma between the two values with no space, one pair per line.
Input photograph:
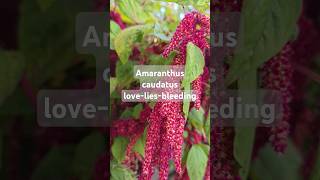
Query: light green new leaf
[196,162]
[134,11]
[119,172]
[125,40]
[114,31]
[196,118]
[193,69]
[119,147]
[113,84]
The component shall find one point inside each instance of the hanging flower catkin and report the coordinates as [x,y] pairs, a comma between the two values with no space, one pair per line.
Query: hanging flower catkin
[166,121]
[277,75]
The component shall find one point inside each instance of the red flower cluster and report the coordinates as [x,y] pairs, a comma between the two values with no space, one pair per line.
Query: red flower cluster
[131,128]
[277,74]
[221,157]
[166,122]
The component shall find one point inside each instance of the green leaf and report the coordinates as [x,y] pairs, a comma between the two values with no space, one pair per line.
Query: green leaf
[86,153]
[11,68]
[140,144]
[270,165]
[118,172]
[127,113]
[207,127]
[55,165]
[119,148]
[45,4]
[124,74]
[125,40]
[196,118]
[266,26]
[193,69]
[244,135]
[134,11]
[113,84]
[136,110]
[205,148]
[196,162]
[114,31]
[315,175]
[201,5]
[46,38]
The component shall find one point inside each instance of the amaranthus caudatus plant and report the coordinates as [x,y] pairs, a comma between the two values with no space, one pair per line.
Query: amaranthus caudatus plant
[166,121]
[163,141]
[163,127]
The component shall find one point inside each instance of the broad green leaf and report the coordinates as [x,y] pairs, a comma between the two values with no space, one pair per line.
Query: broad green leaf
[113,84]
[205,148]
[16,104]
[140,144]
[114,31]
[46,38]
[244,135]
[119,148]
[270,165]
[127,113]
[119,172]
[55,165]
[194,63]
[196,118]
[86,154]
[45,4]
[124,74]
[193,69]
[136,110]
[134,11]
[315,175]
[125,40]
[196,162]
[266,26]
[11,68]
[201,5]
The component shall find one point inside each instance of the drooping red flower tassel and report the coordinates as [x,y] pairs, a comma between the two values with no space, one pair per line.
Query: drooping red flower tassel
[277,75]
[166,122]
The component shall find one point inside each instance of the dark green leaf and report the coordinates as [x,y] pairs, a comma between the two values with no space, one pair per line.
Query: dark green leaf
[47,38]
[315,175]
[11,68]
[266,26]
[244,135]
[86,154]
[45,4]
[55,165]
[270,165]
